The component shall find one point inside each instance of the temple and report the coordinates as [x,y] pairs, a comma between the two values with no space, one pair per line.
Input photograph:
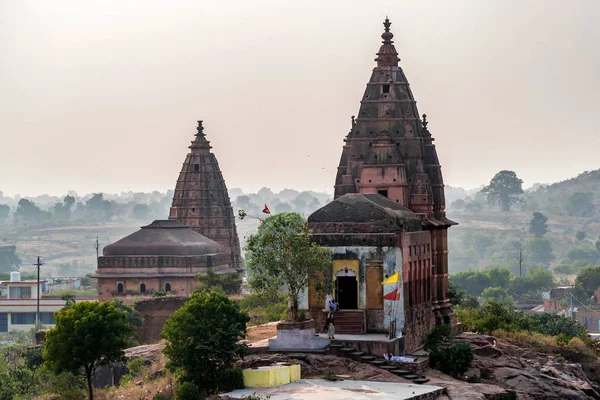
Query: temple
[164,256]
[388,215]
[201,200]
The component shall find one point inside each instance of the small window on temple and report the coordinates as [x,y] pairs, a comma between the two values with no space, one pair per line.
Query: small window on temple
[143,288]
[384,193]
[119,288]
[193,209]
[196,167]
[386,88]
[167,287]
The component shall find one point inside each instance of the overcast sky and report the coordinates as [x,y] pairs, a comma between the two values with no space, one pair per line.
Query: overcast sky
[104,95]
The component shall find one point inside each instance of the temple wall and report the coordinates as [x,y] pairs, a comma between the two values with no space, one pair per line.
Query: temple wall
[107,287]
[390,258]
[155,312]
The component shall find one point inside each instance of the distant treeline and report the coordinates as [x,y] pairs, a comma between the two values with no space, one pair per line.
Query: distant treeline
[99,207]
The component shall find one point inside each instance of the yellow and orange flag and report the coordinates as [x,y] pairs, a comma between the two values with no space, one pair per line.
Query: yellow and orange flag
[266,210]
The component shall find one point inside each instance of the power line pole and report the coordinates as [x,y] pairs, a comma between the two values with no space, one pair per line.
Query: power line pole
[38,264]
[97,247]
[520,263]
[571,313]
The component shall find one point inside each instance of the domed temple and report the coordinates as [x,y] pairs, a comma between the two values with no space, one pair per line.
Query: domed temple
[164,256]
[201,200]
[388,215]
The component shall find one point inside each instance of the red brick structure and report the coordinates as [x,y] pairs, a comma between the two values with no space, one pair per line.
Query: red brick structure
[201,200]
[164,256]
[389,150]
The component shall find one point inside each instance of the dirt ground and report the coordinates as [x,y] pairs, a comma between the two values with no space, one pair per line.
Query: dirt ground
[260,332]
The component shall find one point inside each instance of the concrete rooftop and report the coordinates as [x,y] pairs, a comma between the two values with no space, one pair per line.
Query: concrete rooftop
[320,389]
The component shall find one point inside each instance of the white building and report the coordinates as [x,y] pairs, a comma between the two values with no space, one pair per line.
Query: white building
[18,307]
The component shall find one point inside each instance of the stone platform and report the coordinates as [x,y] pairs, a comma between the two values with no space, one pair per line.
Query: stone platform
[297,336]
[307,389]
[374,344]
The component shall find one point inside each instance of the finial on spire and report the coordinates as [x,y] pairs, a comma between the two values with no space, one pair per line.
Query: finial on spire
[200,141]
[353,120]
[387,55]
[424,122]
[200,129]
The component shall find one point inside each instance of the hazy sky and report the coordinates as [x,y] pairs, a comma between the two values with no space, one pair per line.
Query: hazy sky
[104,95]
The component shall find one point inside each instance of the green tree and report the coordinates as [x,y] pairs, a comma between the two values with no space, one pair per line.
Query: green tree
[141,212]
[581,205]
[504,189]
[497,294]
[539,251]
[203,340]
[9,260]
[87,335]
[4,210]
[586,284]
[281,254]
[538,226]
[580,235]
[28,213]
[62,211]
[231,283]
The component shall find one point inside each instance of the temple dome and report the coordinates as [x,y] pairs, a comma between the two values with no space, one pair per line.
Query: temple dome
[163,238]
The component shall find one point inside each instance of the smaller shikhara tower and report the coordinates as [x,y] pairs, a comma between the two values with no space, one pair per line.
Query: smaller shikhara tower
[201,200]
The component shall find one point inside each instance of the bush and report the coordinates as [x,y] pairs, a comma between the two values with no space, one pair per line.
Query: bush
[188,391]
[453,360]
[438,335]
[494,316]
[263,309]
[136,366]
[231,282]
[203,342]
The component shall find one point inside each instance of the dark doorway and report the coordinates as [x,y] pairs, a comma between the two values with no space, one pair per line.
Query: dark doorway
[3,322]
[346,288]
[383,192]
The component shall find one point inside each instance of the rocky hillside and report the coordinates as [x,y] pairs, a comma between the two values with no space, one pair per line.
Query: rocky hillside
[501,371]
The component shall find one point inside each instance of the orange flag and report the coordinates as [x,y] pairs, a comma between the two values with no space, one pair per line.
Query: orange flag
[393,295]
[266,210]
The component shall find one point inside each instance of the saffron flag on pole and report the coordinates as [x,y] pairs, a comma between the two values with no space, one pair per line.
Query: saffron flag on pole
[391,279]
[266,210]
[393,295]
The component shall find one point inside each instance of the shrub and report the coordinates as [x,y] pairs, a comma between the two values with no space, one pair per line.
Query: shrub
[438,335]
[453,360]
[188,391]
[494,316]
[203,342]
[136,366]
[262,308]
[230,380]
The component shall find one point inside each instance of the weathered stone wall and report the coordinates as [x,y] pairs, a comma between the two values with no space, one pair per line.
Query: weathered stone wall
[156,311]
[419,320]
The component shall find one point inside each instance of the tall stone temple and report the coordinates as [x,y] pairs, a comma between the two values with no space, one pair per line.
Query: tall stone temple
[388,214]
[201,200]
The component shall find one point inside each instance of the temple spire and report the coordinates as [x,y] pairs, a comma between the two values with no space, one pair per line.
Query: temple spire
[200,143]
[387,55]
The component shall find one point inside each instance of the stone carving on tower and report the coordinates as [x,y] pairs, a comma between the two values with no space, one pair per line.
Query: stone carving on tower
[201,200]
[390,151]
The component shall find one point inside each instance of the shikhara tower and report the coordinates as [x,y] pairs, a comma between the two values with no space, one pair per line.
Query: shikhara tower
[389,150]
[201,200]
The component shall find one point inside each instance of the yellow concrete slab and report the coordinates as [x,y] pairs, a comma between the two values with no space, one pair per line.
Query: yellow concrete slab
[272,375]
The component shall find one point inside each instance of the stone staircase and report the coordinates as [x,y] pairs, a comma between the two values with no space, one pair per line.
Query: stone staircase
[350,322]
[410,371]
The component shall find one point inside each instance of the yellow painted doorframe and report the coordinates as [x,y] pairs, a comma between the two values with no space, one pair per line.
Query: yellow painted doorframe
[341,265]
